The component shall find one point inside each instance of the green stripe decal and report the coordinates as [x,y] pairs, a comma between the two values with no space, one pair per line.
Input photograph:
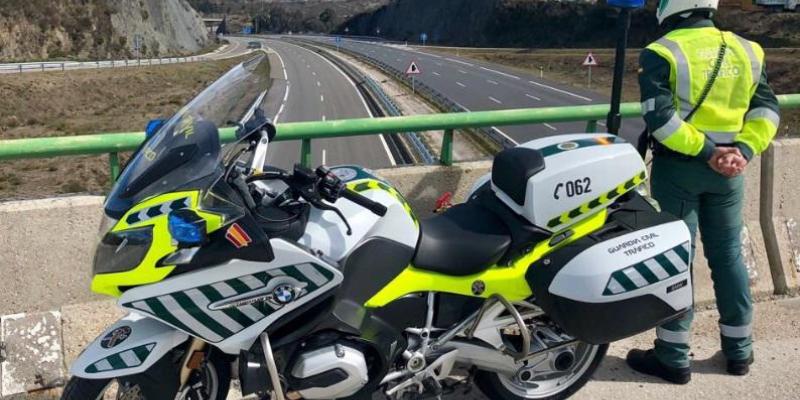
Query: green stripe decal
[213,295]
[116,361]
[682,253]
[161,312]
[664,262]
[324,271]
[296,274]
[238,286]
[646,273]
[624,281]
[201,317]
[141,353]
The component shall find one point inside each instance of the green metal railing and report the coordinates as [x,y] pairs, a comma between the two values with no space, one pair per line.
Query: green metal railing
[115,143]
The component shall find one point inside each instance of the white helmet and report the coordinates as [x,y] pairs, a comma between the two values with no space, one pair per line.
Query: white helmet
[668,8]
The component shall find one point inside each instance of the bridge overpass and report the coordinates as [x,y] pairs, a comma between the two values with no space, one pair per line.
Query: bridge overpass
[49,287]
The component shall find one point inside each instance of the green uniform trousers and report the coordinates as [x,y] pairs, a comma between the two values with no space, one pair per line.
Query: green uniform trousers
[691,190]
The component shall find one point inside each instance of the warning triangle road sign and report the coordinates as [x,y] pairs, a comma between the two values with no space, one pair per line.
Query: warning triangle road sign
[590,61]
[413,69]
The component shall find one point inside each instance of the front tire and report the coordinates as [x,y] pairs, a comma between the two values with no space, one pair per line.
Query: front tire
[498,386]
[158,382]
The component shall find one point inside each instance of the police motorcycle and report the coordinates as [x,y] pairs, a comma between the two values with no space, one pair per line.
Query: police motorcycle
[323,283]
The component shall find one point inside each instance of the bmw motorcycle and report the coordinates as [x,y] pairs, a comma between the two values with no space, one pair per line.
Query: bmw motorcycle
[324,284]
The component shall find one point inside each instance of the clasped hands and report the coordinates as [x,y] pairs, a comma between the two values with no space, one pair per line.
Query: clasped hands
[728,161]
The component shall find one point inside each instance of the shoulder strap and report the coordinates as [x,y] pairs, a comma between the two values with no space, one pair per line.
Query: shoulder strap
[723,48]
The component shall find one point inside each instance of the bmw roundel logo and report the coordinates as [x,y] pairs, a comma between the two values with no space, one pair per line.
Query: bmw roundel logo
[283,294]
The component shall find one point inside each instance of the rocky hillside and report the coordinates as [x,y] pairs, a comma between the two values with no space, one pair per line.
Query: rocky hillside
[531,23]
[97,29]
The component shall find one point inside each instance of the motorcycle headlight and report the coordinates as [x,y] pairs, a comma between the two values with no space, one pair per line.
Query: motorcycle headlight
[122,251]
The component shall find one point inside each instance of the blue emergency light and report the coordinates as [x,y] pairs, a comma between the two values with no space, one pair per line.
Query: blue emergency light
[626,3]
[187,228]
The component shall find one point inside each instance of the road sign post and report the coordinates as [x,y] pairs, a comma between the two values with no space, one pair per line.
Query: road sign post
[423,37]
[590,62]
[412,71]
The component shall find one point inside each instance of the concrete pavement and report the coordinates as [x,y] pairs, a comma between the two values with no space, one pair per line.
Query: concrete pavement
[774,375]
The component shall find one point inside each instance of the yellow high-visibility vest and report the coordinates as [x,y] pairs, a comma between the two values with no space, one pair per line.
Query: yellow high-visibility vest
[692,54]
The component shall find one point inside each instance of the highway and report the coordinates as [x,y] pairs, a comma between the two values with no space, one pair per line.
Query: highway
[307,87]
[480,86]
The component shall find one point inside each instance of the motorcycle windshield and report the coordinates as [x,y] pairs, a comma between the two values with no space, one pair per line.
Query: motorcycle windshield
[186,153]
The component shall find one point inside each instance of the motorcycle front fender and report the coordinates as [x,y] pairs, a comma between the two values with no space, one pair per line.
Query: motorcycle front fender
[128,347]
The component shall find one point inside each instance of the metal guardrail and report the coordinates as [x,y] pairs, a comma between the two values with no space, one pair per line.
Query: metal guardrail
[115,143]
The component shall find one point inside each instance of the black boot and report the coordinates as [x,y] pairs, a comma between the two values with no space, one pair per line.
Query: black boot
[647,363]
[740,367]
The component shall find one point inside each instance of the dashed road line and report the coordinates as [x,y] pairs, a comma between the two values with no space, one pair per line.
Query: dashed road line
[319,84]
[550,126]
[495,100]
[532,97]
[601,123]
[560,91]
[322,98]
[460,62]
[462,71]
[500,73]
[492,82]
[437,74]
[461,84]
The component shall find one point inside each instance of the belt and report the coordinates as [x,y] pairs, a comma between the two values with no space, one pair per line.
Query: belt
[659,150]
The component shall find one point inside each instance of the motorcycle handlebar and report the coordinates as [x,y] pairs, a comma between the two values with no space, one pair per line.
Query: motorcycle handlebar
[376,208]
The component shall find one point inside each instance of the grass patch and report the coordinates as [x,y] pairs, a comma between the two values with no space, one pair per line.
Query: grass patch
[85,102]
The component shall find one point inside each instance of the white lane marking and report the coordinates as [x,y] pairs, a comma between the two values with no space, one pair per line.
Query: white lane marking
[399,59]
[533,97]
[550,126]
[560,91]
[492,82]
[462,71]
[439,64]
[313,73]
[495,100]
[322,98]
[363,102]
[461,84]
[505,135]
[324,157]
[319,84]
[500,73]
[460,62]
[601,123]
[283,104]
[437,74]
[283,66]
[324,117]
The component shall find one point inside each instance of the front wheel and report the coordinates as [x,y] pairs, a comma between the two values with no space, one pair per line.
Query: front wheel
[210,382]
[550,376]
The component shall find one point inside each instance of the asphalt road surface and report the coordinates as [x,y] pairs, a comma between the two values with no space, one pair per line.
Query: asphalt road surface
[480,86]
[310,88]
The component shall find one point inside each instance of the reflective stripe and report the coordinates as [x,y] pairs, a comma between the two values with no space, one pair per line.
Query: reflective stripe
[648,105]
[763,112]
[736,331]
[672,336]
[755,63]
[683,79]
[130,359]
[103,365]
[615,287]
[721,137]
[635,277]
[676,261]
[670,128]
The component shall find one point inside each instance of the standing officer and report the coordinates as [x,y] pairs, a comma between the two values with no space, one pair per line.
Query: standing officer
[707,104]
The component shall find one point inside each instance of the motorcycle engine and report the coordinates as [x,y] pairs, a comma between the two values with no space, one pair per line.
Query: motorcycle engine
[331,372]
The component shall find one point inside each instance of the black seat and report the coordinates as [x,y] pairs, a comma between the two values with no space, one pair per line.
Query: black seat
[513,167]
[464,240]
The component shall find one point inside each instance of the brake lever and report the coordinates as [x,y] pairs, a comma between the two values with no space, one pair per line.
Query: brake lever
[323,206]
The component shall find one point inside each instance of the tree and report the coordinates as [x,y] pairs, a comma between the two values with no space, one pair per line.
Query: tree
[327,18]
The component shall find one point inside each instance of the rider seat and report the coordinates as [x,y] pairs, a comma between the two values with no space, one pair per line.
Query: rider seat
[464,240]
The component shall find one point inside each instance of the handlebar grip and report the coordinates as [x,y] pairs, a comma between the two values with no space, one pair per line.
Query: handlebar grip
[376,208]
